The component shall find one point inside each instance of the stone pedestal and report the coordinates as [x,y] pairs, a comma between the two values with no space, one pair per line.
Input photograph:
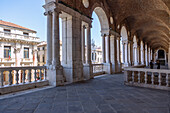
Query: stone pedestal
[55,76]
[108,68]
[87,72]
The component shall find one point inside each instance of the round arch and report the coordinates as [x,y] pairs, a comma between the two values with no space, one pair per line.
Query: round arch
[124,33]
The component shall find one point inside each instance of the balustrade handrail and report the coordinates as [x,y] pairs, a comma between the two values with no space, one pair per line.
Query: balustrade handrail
[22,68]
[19,35]
[97,64]
[147,70]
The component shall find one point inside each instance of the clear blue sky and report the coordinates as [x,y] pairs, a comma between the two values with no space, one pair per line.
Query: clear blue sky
[30,14]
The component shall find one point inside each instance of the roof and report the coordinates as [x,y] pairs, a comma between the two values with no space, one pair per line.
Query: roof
[9,24]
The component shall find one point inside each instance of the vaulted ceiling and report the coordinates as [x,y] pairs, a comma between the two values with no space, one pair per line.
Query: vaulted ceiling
[148,19]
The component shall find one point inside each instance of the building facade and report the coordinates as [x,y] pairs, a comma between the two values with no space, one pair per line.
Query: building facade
[18,45]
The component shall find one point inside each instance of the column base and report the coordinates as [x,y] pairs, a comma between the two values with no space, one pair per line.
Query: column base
[55,76]
[108,68]
[126,64]
[87,72]
[119,67]
[136,63]
[114,68]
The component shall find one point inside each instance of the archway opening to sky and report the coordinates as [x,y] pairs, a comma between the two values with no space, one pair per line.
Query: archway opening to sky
[96,40]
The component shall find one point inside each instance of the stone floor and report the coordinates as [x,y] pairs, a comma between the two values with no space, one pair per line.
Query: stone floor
[105,94]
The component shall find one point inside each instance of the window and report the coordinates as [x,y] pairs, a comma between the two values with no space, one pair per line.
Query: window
[7,30]
[24,33]
[7,52]
[43,59]
[43,48]
[26,52]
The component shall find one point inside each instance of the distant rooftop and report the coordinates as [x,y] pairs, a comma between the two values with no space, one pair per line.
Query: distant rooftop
[9,24]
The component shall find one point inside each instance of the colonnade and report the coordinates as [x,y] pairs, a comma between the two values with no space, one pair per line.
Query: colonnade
[136,53]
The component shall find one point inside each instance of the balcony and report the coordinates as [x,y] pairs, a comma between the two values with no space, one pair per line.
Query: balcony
[7,60]
[26,60]
[21,78]
[18,37]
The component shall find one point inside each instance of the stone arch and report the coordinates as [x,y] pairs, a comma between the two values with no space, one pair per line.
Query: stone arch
[124,33]
[104,21]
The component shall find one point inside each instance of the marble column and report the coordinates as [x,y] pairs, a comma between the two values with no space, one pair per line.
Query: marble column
[83,44]
[88,60]
[64,41]
[149,54]
[142,52]
[56,39]
[113,51]
[126,54]
[123,52]
[108,49]
[103,49]
[129,53]
[146,54]
[135,47]
[119,67]
[49,38]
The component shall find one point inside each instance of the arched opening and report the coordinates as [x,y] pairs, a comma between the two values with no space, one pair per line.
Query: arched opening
[124,48]
[100,26]
[161,56]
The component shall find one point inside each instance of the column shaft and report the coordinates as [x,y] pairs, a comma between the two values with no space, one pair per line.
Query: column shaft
[56,40]
[88,61]
[118,50]
[108,49]
[103,49]
[49,38]
[83,44]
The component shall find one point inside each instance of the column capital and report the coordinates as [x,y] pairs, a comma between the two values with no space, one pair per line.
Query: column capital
[48,13]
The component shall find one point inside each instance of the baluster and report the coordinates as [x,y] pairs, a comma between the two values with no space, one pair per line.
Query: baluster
[133,76]
[2,79]
[35,75]
[29,75]
[17,76]
[10,77]
[159,79]
[139,77]
[145,77]
[40,73]
[23,77]
[167,80]
[44,74]
[152,78]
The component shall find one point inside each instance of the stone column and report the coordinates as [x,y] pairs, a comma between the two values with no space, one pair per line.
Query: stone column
[35,56]
[103,49]
[83,44]
[146,54]
[113,45]
[118,55]
[135,46]
[64,41]
[142,52]
[49,38]
[123,53]
[107,65]
[108,49]
[129,53]
[55,73]
[56,39]
[87,69]
[88,61]
[149,54]
[126,54]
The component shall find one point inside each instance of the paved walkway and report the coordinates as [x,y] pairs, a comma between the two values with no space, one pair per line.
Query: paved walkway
[105,94]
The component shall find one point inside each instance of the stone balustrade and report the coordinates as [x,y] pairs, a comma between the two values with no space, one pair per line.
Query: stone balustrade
[98,69]
[14,79]
[18,36]
[149,78]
